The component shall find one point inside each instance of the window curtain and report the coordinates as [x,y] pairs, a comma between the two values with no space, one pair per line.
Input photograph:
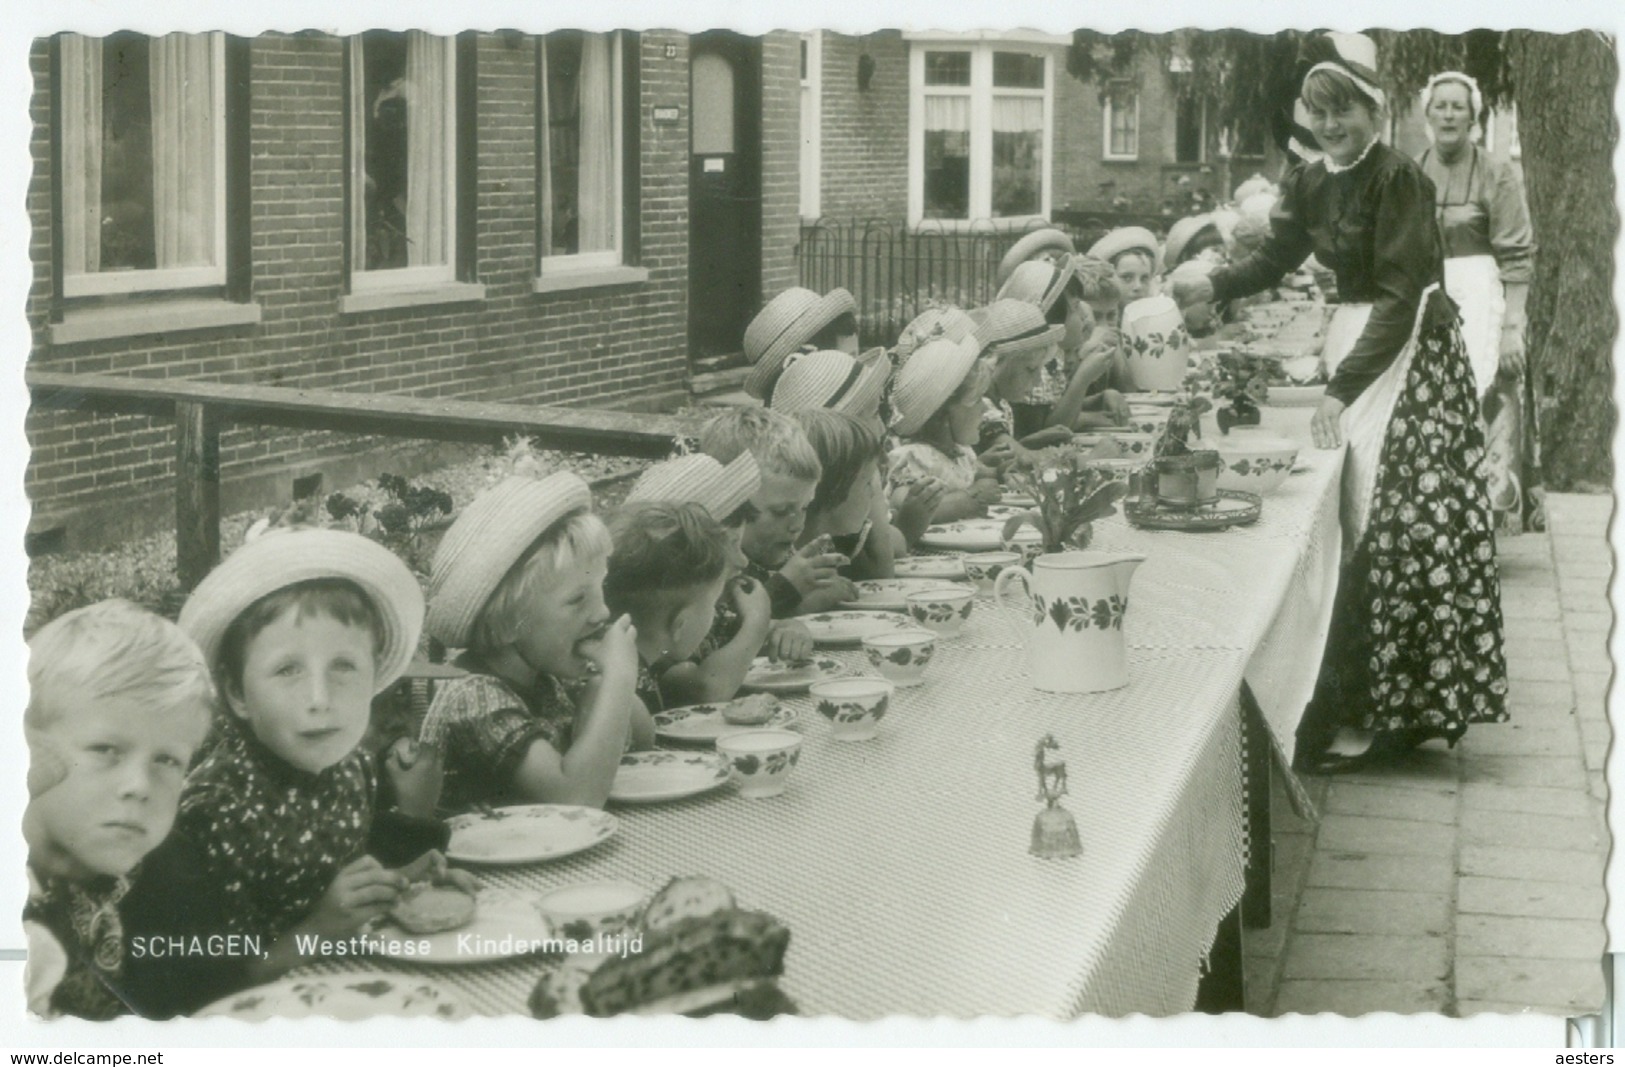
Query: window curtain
[81,154]
[182,85]
[1018,114]
[597,98]
[947,113]
[428,145]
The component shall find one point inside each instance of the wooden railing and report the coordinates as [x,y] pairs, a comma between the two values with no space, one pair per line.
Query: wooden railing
[201,409]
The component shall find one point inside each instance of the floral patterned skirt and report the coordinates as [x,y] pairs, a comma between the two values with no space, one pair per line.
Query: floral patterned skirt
[1415,641]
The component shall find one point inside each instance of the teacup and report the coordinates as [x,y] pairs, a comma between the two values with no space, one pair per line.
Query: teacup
[983,568]
[761,759]
[853,706]
[588,910]
[901,656]
[942,610]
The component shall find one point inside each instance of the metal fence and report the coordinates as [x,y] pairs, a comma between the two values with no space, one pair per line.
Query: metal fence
[896,271]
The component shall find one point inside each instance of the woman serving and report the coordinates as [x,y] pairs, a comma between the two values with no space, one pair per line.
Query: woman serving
[1414,650]
[1489,260]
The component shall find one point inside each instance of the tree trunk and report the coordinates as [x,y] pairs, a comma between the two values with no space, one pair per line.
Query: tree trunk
[1564,88]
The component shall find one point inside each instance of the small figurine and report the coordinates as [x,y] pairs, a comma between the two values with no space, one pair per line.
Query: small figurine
[1055,832]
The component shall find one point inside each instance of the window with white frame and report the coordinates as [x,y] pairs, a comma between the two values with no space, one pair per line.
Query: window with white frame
[981,130]
[1120,121]
[812,108]
[579,164]
[143,147]
[403,160]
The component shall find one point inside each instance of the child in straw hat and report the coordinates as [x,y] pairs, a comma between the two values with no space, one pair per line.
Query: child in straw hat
[518,584]
[744,613]
[790,476]
[669,567]
[849,507]
[937,405]
[303,628]
[119,701]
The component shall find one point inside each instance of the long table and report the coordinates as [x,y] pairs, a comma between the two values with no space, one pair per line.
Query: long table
[901,864]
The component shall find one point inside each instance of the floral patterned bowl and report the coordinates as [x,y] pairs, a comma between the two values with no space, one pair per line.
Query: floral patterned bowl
[984,568]
[901,657]
[1151,420]
[853,706]
[1255,462]
[942,610]
[762,759]
[583,911]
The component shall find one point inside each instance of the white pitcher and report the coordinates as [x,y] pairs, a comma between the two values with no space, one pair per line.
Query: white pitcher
[1074,614]
[1156,344]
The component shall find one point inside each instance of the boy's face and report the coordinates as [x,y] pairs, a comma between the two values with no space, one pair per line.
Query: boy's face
[122,768]
[850,514]
[1105,310]
[1134,275]
[684,630]
[567,611]
[307,688]
[1018,374]
[781,505]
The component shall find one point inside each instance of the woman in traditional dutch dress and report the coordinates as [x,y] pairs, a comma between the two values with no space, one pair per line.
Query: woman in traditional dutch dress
[1414,651]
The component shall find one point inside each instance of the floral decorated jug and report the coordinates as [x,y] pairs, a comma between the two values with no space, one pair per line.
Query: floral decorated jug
[1156,343]
[1074,619]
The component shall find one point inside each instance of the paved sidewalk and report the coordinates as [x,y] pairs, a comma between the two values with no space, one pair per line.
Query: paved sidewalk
[1467,880]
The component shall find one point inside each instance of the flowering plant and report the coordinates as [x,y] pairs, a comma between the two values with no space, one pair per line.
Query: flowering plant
[1069,496]
[1184,422]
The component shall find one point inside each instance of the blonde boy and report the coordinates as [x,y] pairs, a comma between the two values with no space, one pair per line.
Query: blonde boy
[119,701]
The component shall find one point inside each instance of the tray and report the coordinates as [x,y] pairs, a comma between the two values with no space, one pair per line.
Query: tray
[1233,508]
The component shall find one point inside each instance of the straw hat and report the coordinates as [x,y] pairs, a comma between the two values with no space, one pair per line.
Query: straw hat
[1252,187]
[1031,245]
[1182,233]
[830,379]
[1039,282]
[932,375]
[1127,239]
[699,479]
[787,322]
[279,558]
[929,325]
[491,535]
[1012,326]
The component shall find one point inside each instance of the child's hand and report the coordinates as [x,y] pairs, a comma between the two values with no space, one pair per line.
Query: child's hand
[361,892]
[919,505]
[432,867]
[813,566]
[986,491]
[416,773]
[790,642]
[755,607]
[615,654]
[1115,406]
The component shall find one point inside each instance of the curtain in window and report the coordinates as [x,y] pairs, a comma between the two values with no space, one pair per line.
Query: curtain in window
[1017,114]
[597,97]
[81,153]
[428,137]
[183,150]
[947,113]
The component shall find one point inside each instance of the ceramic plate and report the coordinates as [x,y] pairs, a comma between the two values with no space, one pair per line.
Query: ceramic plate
[527,833]
[1157,400]
[1017,500]
[891,594]
[946,566]
[505,924]
[770,676]
[704,723]
[648,777]
[1002,512]
[1233,508]
[975,535]
[349,997]
[847,629]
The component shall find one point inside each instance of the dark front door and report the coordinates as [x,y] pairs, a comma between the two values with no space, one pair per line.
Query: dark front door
[725,195]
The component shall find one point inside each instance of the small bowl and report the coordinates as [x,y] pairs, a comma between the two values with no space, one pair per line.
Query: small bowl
[1133,443]
[1151,420]
[1255,462]
[584,911]
[901,657]
[761,759]
[942,610]
[984,568]
[853,706]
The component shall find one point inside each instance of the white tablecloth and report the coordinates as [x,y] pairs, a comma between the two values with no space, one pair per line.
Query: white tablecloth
[901,864]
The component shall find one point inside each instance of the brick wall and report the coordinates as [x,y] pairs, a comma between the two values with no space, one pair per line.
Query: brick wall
[597,345]
[1080,166]
[865,133]
[781,160]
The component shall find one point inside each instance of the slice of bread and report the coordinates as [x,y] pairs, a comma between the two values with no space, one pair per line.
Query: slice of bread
[685,898]
[692,954]
[433,909]
[751,710]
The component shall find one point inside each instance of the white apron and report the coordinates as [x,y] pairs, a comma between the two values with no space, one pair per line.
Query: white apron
[1365,422]
[1474,283]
